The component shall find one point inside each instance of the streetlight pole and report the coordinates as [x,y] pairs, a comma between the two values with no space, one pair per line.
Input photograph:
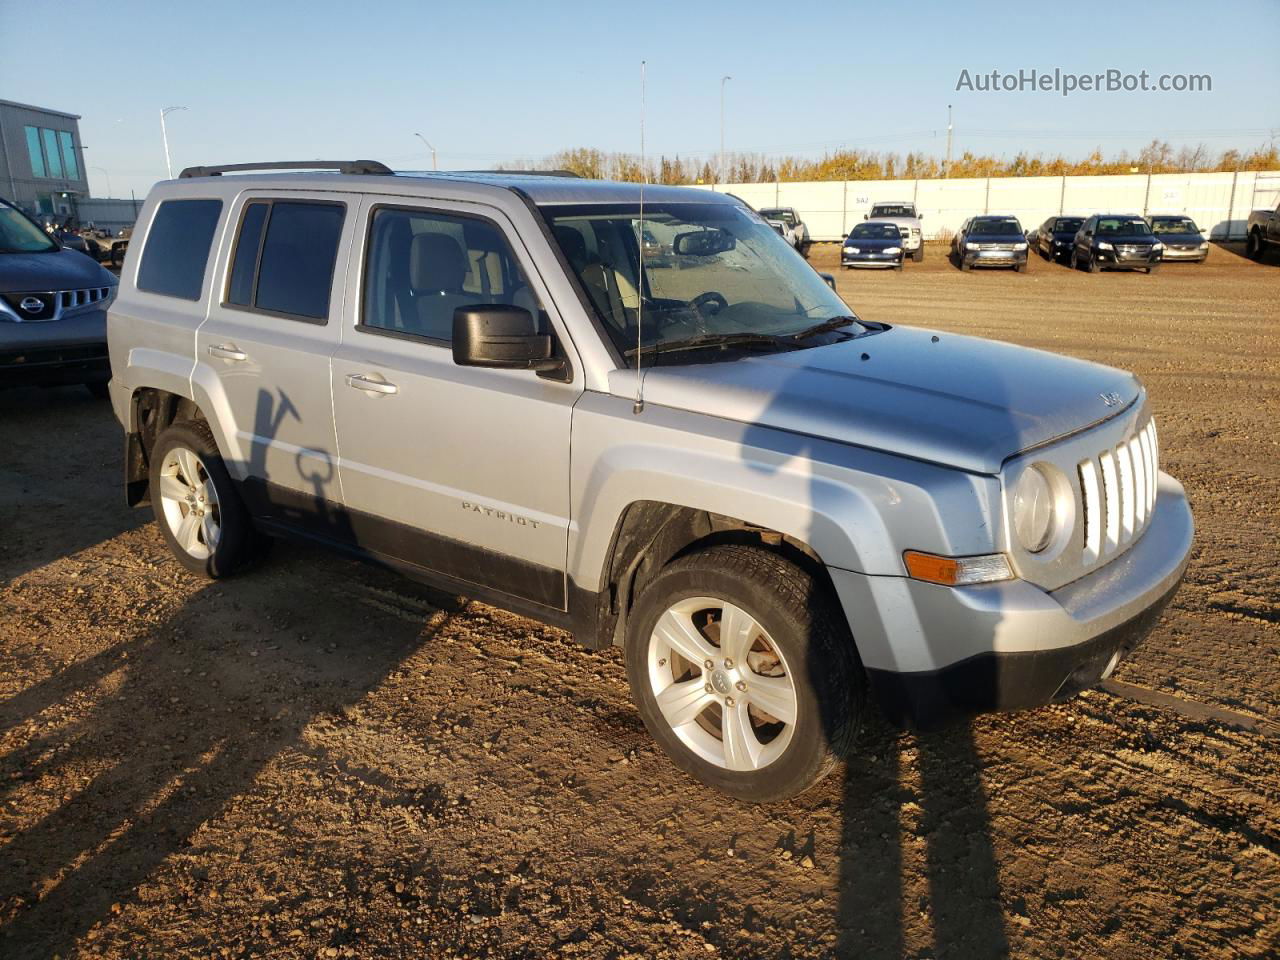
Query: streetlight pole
[947,169]
[164,135]
[104,173]
[429,147]
[723,81]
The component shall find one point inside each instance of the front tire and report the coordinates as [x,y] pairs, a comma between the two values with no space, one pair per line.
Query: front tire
[198,510]
[744,673]
[918,254]
[1253,248]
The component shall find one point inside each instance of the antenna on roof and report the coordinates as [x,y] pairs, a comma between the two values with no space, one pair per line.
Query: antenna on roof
[639,404]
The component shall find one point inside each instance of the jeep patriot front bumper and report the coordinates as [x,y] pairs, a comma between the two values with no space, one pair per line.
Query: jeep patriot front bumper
[935,653]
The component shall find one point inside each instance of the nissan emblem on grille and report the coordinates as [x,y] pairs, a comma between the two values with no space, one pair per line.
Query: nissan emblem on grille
[31,304]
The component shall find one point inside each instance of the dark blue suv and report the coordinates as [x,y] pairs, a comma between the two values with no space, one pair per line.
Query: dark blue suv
[53,309]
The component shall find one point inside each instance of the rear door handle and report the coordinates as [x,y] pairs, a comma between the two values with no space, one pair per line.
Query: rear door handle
[227,351]
[371,384]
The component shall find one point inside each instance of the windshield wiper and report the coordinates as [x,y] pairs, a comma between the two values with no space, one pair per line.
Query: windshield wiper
[707,340]
[835,323]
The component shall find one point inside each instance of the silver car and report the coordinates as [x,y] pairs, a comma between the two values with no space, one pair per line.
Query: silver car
[778,511]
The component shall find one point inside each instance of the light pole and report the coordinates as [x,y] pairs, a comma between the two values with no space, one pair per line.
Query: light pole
[164,135]
[104,173]
[429,147]
[723,81]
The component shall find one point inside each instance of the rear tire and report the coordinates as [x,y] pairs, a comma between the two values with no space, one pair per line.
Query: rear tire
[1253,247]
[793,655]
[197,508]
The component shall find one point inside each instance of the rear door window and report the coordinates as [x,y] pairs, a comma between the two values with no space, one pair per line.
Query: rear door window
[285,256]
[177,247]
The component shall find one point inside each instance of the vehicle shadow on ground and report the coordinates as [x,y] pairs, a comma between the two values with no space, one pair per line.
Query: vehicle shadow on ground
[184,718]
[949,828]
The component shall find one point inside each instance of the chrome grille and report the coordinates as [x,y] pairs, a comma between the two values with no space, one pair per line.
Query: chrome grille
[1118,490]
[1133,249]
[70,299]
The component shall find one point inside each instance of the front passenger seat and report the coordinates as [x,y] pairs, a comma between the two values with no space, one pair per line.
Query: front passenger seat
[437,270]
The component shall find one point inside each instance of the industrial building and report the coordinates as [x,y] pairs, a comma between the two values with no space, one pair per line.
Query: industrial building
[42,161]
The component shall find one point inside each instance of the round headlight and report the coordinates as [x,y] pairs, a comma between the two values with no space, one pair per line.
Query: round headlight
[1033,509]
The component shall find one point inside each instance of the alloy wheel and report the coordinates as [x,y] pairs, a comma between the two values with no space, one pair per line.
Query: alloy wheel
[722,684]
[189,503]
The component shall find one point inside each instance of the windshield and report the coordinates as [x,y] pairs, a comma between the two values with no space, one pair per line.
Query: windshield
[20,235]
[728,274]
[995,228]
[893,210]
[1067,224]
[1122,226]
[1174,225]
[875,231]
[775,213]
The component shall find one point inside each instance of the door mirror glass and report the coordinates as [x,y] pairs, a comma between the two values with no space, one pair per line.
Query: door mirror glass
[497,335]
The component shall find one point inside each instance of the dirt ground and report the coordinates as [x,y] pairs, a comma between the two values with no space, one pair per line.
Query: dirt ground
[319,759]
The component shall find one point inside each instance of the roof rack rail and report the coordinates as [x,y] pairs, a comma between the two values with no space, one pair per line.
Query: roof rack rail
[342,166]
[522,173]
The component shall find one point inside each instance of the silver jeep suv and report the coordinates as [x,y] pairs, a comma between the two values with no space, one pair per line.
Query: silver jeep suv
[779,511]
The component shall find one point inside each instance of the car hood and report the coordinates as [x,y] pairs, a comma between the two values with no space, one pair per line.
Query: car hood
[1125,237]
[941,397]
[900,221]
[995,238]
[60,270]
[874,242]
[1196,238]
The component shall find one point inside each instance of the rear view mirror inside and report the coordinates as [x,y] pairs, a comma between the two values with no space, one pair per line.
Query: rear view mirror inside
[703,243]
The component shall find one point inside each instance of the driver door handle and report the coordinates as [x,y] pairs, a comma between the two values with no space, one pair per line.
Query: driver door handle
[227,351]
[371,384]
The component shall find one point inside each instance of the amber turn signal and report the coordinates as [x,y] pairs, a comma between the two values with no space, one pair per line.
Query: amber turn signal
[956,571]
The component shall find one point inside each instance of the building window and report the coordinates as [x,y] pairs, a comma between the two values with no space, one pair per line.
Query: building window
[52,153]
[50,140]
[34,151]
[69,163]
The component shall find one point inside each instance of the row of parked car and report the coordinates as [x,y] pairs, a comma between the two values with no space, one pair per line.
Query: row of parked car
[1098,242]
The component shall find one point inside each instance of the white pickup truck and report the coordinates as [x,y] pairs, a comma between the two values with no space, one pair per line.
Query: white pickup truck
[908,221]
[1264,232]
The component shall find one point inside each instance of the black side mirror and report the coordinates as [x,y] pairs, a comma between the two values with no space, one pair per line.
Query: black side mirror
[866,216]
[497,335]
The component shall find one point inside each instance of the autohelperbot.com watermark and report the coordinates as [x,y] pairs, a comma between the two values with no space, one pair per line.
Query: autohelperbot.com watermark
[1065,82]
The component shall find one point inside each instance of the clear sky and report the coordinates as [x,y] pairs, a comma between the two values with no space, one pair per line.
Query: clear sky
[492,81]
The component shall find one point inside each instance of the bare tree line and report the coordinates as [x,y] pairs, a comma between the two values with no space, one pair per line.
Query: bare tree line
[1156,157]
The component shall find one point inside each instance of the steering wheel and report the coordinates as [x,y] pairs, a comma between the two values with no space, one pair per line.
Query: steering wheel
[707,299]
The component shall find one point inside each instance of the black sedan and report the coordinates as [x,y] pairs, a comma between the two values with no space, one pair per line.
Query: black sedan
[1181,237]
[53,309]
[1054,238]
[1108,241]
[990,241]
[874,243]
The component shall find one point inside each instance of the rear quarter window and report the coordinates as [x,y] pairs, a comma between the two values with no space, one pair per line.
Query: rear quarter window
[177,248]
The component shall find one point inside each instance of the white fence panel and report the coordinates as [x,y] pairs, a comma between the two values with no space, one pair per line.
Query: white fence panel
[1218,202]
